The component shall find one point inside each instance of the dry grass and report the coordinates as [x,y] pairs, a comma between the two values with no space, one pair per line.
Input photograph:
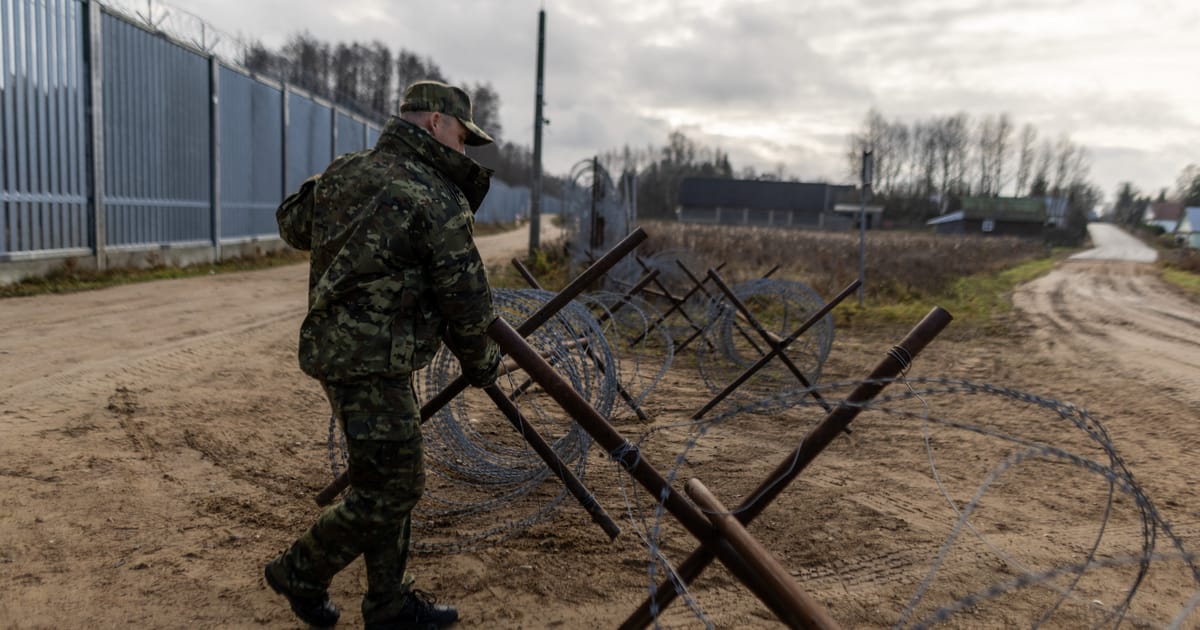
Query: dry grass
[901,266]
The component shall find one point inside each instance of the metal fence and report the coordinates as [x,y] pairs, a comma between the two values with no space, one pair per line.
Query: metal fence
[115,138]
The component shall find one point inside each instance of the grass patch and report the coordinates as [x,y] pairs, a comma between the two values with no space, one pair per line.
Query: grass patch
[1185,281]
[550,266]
[978,302]
[70,278]
[908,273]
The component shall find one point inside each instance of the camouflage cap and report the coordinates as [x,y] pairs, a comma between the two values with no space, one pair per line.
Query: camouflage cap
[435,96]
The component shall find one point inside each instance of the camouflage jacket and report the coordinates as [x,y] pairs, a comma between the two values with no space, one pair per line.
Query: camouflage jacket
[394,269]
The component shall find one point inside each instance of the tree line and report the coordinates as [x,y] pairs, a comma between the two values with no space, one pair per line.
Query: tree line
[1131,205]
[658,171]
[944,158]
[369,79]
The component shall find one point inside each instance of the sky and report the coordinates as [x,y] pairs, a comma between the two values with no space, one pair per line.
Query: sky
[782,83]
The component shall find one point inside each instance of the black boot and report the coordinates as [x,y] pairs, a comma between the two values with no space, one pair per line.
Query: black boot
[420,612]
[315,611]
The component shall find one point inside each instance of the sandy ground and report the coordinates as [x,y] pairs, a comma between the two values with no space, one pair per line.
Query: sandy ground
[158,444]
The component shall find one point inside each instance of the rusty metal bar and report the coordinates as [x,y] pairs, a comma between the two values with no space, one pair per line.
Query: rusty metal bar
[667,313]
[535,321]
[783,344]
[897,359]
[760,559]
[629,400]
[629,457]
[667,294]
[700,285]
[577,286]
[741,331]
[556,465]
[772,340]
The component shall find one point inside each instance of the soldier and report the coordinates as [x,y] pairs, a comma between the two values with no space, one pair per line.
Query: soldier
[394,271]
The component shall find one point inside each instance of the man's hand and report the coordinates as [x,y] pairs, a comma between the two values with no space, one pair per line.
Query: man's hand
[485,376]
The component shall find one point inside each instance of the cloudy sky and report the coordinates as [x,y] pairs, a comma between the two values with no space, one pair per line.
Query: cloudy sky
[782,82]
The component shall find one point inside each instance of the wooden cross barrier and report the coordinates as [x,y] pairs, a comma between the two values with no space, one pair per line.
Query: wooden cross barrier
[896,360]
[532,323]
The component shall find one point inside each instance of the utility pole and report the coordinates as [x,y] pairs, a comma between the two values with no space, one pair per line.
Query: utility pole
[535,187]
[867,170]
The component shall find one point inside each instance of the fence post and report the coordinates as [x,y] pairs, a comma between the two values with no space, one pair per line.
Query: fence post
[283,159]
[214,126]
[333,111]
[95,48]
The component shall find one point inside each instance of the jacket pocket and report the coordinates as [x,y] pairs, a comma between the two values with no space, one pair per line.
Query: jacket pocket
[428,328]
[403,331]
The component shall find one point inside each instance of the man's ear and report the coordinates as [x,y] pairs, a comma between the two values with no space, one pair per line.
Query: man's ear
[433,122]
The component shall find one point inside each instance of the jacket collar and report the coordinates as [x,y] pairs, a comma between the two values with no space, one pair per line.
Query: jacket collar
[403,138]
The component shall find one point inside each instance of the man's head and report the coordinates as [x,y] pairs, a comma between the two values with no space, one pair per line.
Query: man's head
[445,112]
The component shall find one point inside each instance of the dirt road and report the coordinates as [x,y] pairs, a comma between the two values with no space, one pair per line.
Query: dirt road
[158,444]
[1105,309]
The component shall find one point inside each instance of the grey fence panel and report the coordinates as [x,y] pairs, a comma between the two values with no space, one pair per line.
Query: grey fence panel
[251,155]
[505,203]
[151,136]
[157,139]
[43,190]
[309,139]
[349,134]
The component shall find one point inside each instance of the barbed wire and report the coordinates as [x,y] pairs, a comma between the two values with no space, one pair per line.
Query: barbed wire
[478,469]
[183,26]
[1109,467]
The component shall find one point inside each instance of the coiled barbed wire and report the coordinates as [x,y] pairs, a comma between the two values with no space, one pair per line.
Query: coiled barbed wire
[477,464]
[1077,428]
[626,324]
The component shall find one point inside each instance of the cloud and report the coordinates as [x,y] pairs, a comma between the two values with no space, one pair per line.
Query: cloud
[773,80]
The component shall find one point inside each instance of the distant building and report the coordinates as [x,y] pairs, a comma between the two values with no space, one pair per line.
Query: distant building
[752,202]
[1056,211]
[1188,230]
[1008,216]
[1164,214]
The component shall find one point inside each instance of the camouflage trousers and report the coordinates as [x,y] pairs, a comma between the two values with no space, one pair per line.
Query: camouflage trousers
[382,423]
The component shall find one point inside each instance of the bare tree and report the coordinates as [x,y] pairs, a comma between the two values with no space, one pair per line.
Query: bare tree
[985,153]
[924,158]
[258,58]
[308,63]
[380,72]
[1025,158]
[1187,185]
[1041,173]
[411,67]
[346,74]
[898,143]
[1000,142]
[1064,159]
[485,103]
[951,142]
[872,137]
